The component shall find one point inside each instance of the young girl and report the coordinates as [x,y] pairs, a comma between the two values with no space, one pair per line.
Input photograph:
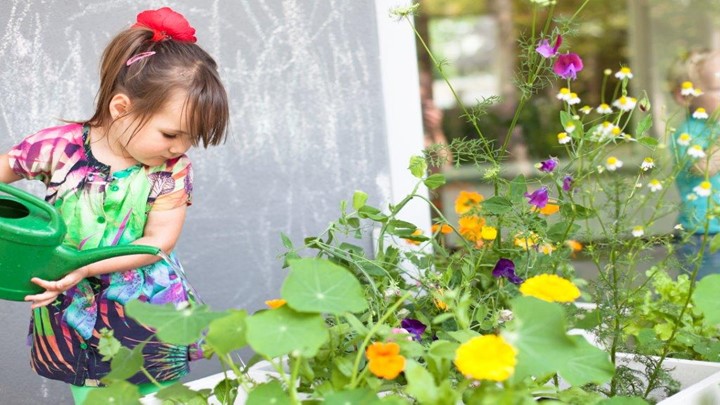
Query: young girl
[122,177]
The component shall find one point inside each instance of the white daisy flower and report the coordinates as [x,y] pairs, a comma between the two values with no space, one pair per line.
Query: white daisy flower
[655,185]
[586,110]
[612,163]
[647,164]
[607,129]
[679,227]
[546,249]
[563,138]
[703,189]
[691,197]
[684,139]
[696,151]
[625,103]
[573,99]
[563,94]
[624,73]
[638,231]
[687,89]
[604,109]
[570,128]
[638,185]
[700,114]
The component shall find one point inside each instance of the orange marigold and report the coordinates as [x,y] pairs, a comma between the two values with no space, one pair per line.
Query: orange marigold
[384,360]
[444,228]
[471,227]
[276,303]
[549,209]
[414,242]
[467,200]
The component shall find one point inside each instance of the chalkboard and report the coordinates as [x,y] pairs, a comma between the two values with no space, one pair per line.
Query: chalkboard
[308,128]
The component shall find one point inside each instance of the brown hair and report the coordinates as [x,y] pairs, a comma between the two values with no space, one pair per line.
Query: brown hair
[149,82]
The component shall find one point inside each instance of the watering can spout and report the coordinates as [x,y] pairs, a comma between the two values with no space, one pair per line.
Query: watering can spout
[71,258]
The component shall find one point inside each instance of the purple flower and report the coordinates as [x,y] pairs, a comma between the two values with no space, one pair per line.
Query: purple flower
[567,183]
[545,50]
[413,326]
[549,165]
[538,198]
[506,268]
[567,66]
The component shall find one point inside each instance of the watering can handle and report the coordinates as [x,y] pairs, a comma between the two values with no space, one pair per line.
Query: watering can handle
[56,223]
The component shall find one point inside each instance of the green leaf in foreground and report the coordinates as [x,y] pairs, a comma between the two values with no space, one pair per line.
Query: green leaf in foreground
[320,286]
[268,393]
[228,333]
[119,392]
[418,166]
[175,326]
[126,363]
[706,299]
[434,181]
[281,331]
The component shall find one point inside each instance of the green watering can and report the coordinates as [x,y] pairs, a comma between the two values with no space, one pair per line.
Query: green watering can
[31,236]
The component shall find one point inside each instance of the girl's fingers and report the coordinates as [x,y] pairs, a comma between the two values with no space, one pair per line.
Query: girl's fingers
[48,285]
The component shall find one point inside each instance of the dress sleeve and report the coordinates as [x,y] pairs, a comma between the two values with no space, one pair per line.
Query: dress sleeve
[171,186]
[36,156]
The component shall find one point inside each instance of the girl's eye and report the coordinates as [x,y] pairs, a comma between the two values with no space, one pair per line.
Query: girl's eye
[169,136]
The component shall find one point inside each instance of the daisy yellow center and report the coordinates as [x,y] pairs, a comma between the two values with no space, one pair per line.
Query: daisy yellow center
[612,160]
[655,182]
[700,110]
[705,185]
[684,137]
[687,85]
[625,70]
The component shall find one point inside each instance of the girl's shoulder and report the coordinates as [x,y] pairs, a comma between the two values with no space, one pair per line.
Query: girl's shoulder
[172,165]
[70,132]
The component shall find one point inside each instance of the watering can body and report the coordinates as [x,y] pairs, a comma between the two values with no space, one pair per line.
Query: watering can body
[31,236]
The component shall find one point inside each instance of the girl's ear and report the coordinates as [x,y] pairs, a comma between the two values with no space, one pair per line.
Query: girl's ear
[119,105]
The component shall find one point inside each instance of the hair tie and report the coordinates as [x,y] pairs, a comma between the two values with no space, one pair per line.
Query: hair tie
[166,24]
[138,57]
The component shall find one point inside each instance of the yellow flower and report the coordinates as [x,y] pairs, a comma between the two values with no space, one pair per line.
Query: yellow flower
[549,287]
[441,305]
[467,200]
[546,249]
[471,227]
[486,357]
[385,360]
[276,303]
[444,228]
[526,242]
[489,233]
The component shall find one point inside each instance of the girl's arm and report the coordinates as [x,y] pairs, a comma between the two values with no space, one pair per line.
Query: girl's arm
[7,175]
[162,230]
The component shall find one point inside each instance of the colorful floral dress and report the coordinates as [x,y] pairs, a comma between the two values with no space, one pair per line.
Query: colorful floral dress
[102,208]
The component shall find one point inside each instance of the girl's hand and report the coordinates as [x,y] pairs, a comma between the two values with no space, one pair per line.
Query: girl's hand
[55,288]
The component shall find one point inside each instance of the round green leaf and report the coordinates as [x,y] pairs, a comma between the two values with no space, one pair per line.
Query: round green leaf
[281,331]
[268,393]
[119,392]
[706,298]
[356,396]
[174,326]
[228,333]
[321,286]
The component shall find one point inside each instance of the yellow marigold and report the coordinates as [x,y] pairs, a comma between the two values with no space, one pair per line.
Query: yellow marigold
[467,200]
[276,303]
[549,209]
[486,357]
[441,305]
[444,228]
[546,248]
[384,359]
[526,242]
[549,287]
[489,233]
[414,242]
[471,227]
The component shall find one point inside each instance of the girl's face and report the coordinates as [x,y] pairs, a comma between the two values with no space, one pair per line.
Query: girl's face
[163,137]
[709,78]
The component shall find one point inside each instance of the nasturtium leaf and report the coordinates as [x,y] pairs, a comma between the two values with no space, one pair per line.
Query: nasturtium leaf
[283,330]
[623,401]
[320,286]
[418,166]
[539,334]
[119,392]
[705,297]
[174,326]
[268,393]
[356,396]
[359,199]
[227,333]
[180,394]
[126,363]
[434,181]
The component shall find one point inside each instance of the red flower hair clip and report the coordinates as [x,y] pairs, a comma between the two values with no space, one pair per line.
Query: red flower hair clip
[166,24]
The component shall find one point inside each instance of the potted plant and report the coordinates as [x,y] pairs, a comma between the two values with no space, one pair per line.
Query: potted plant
[482,316]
